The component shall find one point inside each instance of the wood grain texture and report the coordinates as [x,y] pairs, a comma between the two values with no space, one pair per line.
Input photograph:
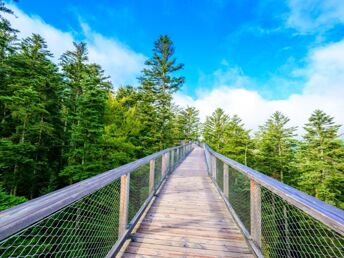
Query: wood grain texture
[188,219]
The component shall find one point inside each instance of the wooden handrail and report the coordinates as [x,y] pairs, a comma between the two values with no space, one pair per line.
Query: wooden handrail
[329,215]
[21,216]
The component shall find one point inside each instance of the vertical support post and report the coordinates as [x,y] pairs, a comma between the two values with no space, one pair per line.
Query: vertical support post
[151,175]
[213,166]
[225,180]
[168,162]
[172,161]
[123,205]
[256,216]
[163,165]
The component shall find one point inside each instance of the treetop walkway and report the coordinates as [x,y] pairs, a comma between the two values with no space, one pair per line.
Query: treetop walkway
[186,201]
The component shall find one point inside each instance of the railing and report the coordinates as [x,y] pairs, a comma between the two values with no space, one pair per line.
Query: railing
[89,218]
[276,219]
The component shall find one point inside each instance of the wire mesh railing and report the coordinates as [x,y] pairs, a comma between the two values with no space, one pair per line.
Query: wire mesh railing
[276,219]
[89,218]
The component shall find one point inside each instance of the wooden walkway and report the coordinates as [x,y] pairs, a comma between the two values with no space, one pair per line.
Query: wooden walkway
[188,219]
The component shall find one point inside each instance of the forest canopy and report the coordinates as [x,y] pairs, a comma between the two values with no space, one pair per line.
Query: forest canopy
[64,122]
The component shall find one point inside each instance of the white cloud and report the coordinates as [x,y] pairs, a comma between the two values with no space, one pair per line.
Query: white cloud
[323,89]
[119,61]
[309,16]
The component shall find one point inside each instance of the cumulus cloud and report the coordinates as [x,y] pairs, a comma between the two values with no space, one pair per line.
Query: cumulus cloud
[323,89]
[309,16]
[118,60]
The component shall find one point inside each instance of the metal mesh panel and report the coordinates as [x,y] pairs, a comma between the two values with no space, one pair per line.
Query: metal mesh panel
[239,195]
[86,228]
[157,172]
[219,173]
[289,232]
[139,189]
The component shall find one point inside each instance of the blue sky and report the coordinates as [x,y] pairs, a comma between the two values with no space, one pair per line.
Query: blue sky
[266,48]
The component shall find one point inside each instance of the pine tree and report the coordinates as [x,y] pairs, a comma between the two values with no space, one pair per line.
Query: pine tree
[237,142]
[121,136]
[214,129]
[187,125]
[84,114]
[33,99]
[320,160]
[158,83]
[275,147]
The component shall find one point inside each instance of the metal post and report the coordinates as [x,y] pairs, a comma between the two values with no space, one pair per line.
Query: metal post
[151,175]
[255,201]
[225,179]
[123,206]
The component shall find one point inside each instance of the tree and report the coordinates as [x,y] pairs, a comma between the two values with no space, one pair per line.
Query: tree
[320,160]
[237,142]
[33,101]
[188,124]
[122,130]
[214,129]
[84,114]
[275,147]
[158,83]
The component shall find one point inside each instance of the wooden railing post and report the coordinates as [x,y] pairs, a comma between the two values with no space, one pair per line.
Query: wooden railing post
[124,203]
[163,165]
[213,166]
[172,160]
[168,162]
[225,180]
[151,175]
[256,217]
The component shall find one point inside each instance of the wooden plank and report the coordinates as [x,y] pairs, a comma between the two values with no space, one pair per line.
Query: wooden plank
[151,249]
[224,246]
[193,239]
[123,205]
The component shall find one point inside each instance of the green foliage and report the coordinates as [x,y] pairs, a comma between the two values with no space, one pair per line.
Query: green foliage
[158,83]
[187,125]
[8,201]
[227,135]
[275,147]
[320,160]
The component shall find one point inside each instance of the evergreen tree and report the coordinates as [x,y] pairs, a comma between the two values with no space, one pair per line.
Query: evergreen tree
[214,129]
[320,160]
[33,99]
[158,83]
[122,128]
[84,114]
[275,147]
[237,142]
[188,125]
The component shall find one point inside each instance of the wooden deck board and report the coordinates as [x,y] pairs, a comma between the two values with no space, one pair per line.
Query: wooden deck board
[188,219]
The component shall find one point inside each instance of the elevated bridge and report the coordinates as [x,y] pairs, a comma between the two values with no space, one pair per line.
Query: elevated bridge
[186,201]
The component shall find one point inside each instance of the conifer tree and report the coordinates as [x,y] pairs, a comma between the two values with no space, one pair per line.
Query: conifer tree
[33,98]
[158,83]
[188,125]
[214,129]
[275,147]
[320,160]
[84,114]
[237,142]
